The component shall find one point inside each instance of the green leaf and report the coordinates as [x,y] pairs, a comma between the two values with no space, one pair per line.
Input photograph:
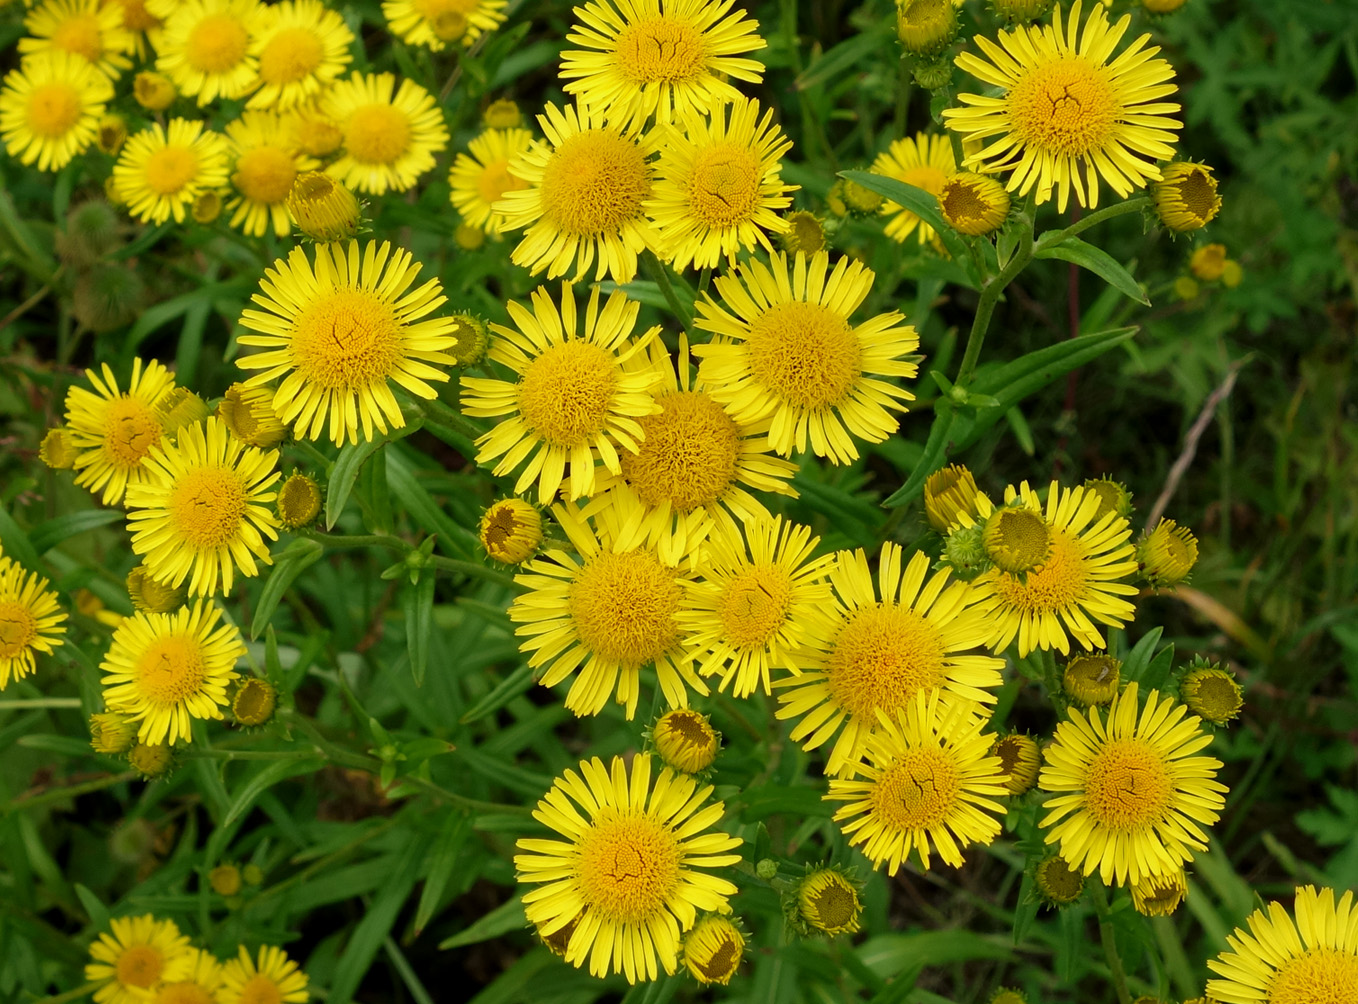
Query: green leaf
[1098,261]
[280,770]
[917,200]
[841,59]
[15,541]
[94,907]
[1140,656]
[46,536]
[344,472]
[376,924]
[418,603]
[935,456]
[456,541]
[509,688]
[504,918]
[287,566]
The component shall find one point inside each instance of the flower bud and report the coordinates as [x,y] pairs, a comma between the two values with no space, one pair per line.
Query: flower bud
[225,880]
[1211,692]
[713,950]
[249,416]
[805,233]
[949,492]
[58,449]
[151,595]
[1208,261]
[1021,10]
[322,208]
[106,296]
[254,702]
[151,761]
[511,531]
[1113,497]
[153,91]
[1017,539]
[1185,197]
[1057,883]
[206,208]
[299,502]
[112,732]
[925,27]
[1020,760]
[468,237]
[111,134]
[1167,555]
[685,740]
[1091,678]
[502,114]
[973,204]
[1160,895]
[827,901]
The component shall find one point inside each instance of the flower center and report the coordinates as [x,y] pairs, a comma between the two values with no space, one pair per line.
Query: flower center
[259,989]
[754,605]
[628,866]
[299,500]
[883,655]
[660,50]
[1321,976]
[291,55]
[80,36]
[184,993]
[347,338]
[688,457]
[1017,539]
[925,176]
[724,186]
[170,670]
[1058,881]
[216,44]
[1066,107]
[565,394]
[53,108]
[689,728]
[501,526]
[136,17]
[130,430]
[1128,785]
[594,182]
[17,628]
[495,180]
[1055,586]
[918,790]
[207,506]
[265,174]
[140,966]
[1216,698]
[377,134]
[805,353]
[962,202]
[835,905]
[438,11]
[623,606]
[722,960]
[169,169]
[1198,192]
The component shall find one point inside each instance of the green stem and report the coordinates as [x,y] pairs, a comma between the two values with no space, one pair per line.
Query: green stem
[990,295]
[216,754]
[473,569]
[71,995]
[338,540]
[41,702]
[1110,948]
[69,791]
[660,275]
[1052,237]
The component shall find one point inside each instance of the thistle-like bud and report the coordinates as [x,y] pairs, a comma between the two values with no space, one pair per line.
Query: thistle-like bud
[1113,496]
[1057,883]
[106,296]
[1211,692]
[299,501]
[849,198]
[92,231]
[322,208]
[964,552]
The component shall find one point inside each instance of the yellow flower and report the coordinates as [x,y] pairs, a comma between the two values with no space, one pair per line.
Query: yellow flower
[301,47]
[1113,496]
[248,415]
[205,47]
[633,867]
[225,880]
[1067,115]
[154,91]
[167,669]
[433,23]
[1130,794]
[883,653]
[947,492]
[198,986]
[1160,895]
[827,901]
[265,167]
[275,978]
[640,60]
[82,28]
[926,27]
[110,137]
[1208,262]
[586,189]
[313,132]
[924,162]
[390,134]
[112,732]
[322,208]
[1313,960]
[502,114]
[685,740]
[511,531]
[607,612]
[1211,692]
[200,511]
[1017,538]
[339,333]
[930,778]
[805,232]
[1186,196]
[481,178]
[135,955]
[151,760]
[1167,554]
[789,355]
[973,204]
[160,173]
[1091,678]
[759,605]
[143,25]
[299,501]
[151,595]
[1020,760]
[30,621]
[57,449]
[573,402]
[254,702]
[50,109]
[115,431]
[1057,884]
[717,185]
[713,950]
[1231,274]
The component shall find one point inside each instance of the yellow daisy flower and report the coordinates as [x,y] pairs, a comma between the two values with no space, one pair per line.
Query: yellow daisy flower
[274,978]
[115,431]
[930,778]
[203,509]
[135,955]
[50,109]
[1068,116]
[1313,960]
[167,669]
[923,161]
[30,621]
[205,47]
[301,47]
[81,28]
[713,950]
[249,416]
[827,902]
[340,333]
[390,134]
[510,531]
[198,986]
[266,165]
[632,871]
[717,185]
[760,604]
[142,24]
[882,653]
[789,355]
[610,606]
[1074,586]
[481,177]
[973,204]
[685,740]
[587,185]
[1131,798]
[641,60]
[1160,895]
[161,173]
[573,400]
[436,23]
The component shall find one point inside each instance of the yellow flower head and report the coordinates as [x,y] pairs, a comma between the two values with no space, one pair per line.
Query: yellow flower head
[632,869]
[265,166]
[225,880]
[299,501]
[247,412]
[1211,692]
[1167,554]
[50,108]
[641,59]
[313,132]
[1186,196]
[112,732]
[930,779]
[713,950]
[1160,895]
[1020,760]
[205,46]
[1057,883]
[805,232]
[110,137]
[254,702]
[885,652]
[926,27]
[924,162]
[30,621]
[685,740]
[390,134]
[1131,797]
[1113,496]
[322,208]
[789,355]
[340,332]
[151,595]
[1069,116]
[947,492]
[143,25]
[826,900]
[273,977]
[481,177]
[1016,537]
[301,47]
[154,91]
[198,986]
[1208,262]
[1091,678]
[973,204]
[502,114]
[160,173]
[435,24]
[511,531]
[167,669]
[92,33]
[136,955]
[151,760]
